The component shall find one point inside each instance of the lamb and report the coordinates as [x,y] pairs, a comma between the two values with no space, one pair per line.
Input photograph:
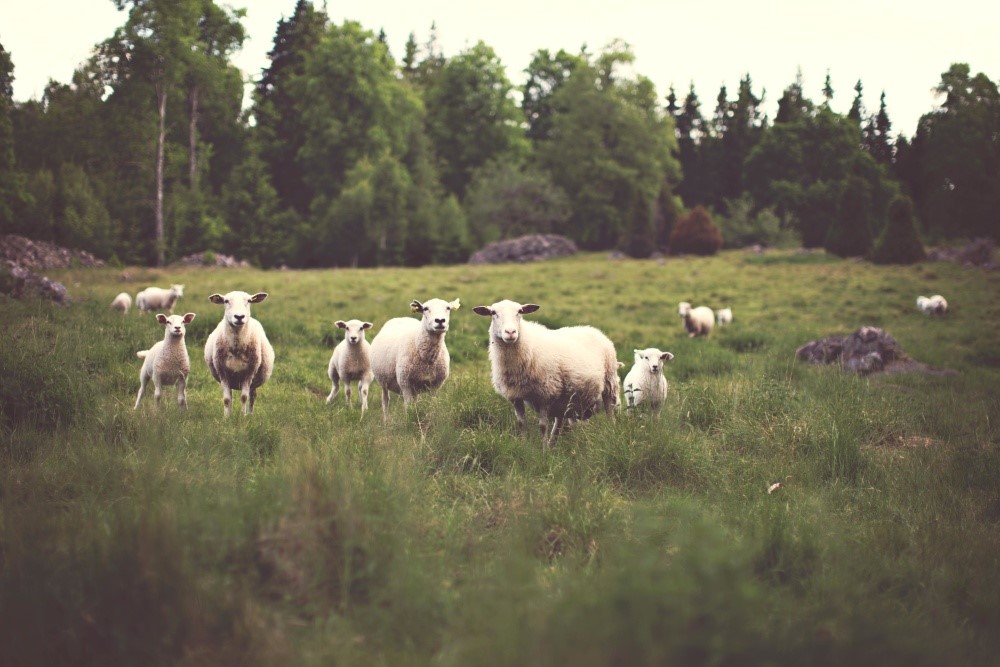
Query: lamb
[237,352]
[351,361]
[409,356]
[645,382]
[122,303]
[167,362]
[157,298]
[724,316]
[566,373]
[698,321]
[936,305]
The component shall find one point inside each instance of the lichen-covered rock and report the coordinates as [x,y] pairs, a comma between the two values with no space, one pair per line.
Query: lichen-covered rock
[37,255]
[530,248]
[867,350]
[20,282]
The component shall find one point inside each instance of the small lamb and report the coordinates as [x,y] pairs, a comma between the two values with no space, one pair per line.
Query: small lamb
[167,362]
[698,321]
[122,303]
[409,356]
[645,382]
[724,316]
[237,352]
[566,374]
[935,305]
[157,298]
[351,361]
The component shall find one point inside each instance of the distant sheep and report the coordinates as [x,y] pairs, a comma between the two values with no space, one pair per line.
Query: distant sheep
[645,383]
[237,352]
[698,321]
[351,362]
[724,316]
[935,305]
[157,298]
[565,374]
[167,362]
[122,303]
[409,356]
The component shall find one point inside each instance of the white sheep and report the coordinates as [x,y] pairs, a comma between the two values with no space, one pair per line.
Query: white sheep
[157,298]
[698,321]
[565,374]
[167,362]
[936,305]
[409,356]
[122,302]
[724,316]
[351,362]
[645,382]
[237,352]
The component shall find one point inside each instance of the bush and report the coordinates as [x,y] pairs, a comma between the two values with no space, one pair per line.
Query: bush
[850,234]
[900,241]
[696,234]
[742,226]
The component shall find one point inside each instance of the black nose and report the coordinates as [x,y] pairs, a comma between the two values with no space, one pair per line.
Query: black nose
[238,318]
[439,320]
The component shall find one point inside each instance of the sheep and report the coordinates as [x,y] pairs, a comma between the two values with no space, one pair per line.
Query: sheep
[645,382]
[167,362]
[409,356]
[698,321]
[724,316]
[935,305]
[122,302]
[566,373]
[237,352]
[157,298]
[351,361]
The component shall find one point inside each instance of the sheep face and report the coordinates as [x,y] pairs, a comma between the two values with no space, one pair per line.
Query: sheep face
[175,324]
[177,289]
[652,358]
[436,313]
[683,308]
[506,324]
[237,306]
[355,330]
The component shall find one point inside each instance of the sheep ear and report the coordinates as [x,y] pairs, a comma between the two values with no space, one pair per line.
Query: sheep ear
[367,325]
[161,318]
[416,306]
[666,356]
[529,308]
[258,297]
[456,304]
[216,298]
[340,324]
[188,317]
[485,311]
[637,351]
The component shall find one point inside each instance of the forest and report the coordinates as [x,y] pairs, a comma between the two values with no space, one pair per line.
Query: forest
[149,154]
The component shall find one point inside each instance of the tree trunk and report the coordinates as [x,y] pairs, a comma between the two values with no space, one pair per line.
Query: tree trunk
[193,140]
[161,94]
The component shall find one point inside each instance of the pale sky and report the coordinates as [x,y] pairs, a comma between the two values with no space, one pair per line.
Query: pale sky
[901,47]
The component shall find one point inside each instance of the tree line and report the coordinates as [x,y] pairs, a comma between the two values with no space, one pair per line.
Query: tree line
[349,157]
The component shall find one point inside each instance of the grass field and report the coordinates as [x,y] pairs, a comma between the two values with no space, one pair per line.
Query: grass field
[306,535]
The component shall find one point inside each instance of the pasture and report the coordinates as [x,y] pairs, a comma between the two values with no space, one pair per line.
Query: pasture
[305,534]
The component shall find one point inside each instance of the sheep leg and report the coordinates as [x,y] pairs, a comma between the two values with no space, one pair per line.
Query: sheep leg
[363,390]
[519,413]
[543,422]
[142,387]
[157,390]
[557,427]
[385,405]
[227,398]
[333,391]
[253,399]
[245,398]
[347,393]
[182,400]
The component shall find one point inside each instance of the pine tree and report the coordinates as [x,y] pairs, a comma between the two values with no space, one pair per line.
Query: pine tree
[899,242]
[410,57]
[877,135]
[827,90]
[857,106]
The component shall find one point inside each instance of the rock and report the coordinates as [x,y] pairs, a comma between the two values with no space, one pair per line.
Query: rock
[39,255]
[22,281]
[978,252]
[209,258]
[530,248]
[867,350]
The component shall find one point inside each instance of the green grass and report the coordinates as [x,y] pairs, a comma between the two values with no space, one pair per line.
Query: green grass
[306,534]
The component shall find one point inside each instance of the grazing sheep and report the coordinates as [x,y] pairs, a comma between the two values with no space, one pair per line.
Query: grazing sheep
[167,362]
[698,321]
[157,298]
[724,316]
[566,373]
[935,305]
[122,302]
[645,382]
[237,352]
[351,361]
[409,356]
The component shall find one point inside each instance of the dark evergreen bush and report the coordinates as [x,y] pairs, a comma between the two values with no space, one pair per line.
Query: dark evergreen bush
[900,241]
[696,234]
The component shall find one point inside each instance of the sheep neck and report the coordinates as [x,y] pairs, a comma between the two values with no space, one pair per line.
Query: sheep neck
[429,345]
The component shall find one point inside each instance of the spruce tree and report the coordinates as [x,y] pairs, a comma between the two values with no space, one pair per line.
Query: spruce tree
[857,106]
[850,233]
[899,242]
[827,91]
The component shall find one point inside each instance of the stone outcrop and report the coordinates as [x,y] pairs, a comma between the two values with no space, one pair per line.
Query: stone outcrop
[867,350]
[530,248]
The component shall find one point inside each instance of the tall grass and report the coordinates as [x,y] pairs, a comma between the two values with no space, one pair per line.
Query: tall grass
[310,534]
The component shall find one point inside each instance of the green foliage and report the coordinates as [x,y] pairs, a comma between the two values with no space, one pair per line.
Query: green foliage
[850,234]
[695,233]
[742,225]
[900,241]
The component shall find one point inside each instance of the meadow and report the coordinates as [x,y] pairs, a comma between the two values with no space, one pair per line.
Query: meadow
[306,534]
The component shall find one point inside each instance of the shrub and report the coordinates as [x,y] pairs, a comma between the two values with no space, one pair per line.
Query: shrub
[850,234]
[742,226]
[696,234]
[900,241]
